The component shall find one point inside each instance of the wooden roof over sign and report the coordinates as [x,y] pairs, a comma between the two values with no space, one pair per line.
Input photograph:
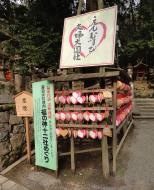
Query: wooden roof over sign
[23,92]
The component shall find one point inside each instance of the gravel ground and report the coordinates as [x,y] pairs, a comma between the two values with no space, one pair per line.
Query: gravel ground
[135,170]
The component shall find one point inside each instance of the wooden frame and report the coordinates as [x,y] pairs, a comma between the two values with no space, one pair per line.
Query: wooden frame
[112,73]
[125,126]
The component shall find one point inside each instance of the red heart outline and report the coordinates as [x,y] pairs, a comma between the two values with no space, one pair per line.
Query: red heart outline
[102,38]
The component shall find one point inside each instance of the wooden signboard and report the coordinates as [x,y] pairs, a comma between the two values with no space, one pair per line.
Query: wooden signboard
[24,109]
[89,39]
[24,104]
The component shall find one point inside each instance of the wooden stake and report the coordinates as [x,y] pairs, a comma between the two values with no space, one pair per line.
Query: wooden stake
[105,157]
[26,120]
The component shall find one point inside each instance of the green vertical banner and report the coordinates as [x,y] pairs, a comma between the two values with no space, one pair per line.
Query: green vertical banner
[44,125]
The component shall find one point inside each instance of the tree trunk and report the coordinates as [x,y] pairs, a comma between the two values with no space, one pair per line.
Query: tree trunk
[92,5]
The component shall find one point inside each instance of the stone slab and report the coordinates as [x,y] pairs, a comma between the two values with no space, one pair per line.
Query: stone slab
[3,179]
[4,135]
[8,185]
[14,119]
[16,141]
[18,129]
[4,117]
[5,99]
[18,187]
[4,148]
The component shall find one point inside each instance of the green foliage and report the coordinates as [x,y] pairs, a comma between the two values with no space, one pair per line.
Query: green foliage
[139,42]
[36,30]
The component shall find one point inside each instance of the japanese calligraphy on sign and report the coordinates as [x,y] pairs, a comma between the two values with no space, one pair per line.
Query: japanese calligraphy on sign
[89,39]
[24,103]
[44,125]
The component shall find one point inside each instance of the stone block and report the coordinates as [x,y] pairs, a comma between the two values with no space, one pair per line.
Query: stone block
[4,135]
[18,129]
[2,75]
[18,187]
[14,155]
[17,141]
[5,148]
[15,120]
[4,162]
[6,98]
[4,117]
[3,179]
[6,88]
[8,185]
[4,126]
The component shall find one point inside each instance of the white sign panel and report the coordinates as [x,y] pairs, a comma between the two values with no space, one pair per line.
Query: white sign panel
[89,39]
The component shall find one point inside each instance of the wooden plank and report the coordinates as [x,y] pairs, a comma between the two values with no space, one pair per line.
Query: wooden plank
[92,126]
[83,91]
[123,138]
[6,170]
[73,77]
[123,123]
[105,157]
[83,108]
[81,151]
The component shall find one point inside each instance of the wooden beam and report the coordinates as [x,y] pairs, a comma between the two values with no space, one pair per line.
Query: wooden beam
[6,170]
[84,91]
[123,123]
[80,151]
[73,77]
[123,138]
[92,126]
[83,108]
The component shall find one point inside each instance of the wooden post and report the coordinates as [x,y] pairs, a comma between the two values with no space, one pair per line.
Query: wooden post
[72,155]
[79,7]
[26,120]
[100,4]
[105,157]
[114,144]
[57,171]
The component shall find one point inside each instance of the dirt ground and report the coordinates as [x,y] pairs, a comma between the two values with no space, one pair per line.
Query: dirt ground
[135,170]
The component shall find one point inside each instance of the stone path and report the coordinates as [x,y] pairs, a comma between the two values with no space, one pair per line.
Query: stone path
[139,150]
[135,170]
[6,184]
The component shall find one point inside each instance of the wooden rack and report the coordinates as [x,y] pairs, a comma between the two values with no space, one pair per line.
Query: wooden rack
[123,127]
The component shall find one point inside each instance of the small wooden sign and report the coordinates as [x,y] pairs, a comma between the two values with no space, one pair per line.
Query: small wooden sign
[24,108]
[24,103]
